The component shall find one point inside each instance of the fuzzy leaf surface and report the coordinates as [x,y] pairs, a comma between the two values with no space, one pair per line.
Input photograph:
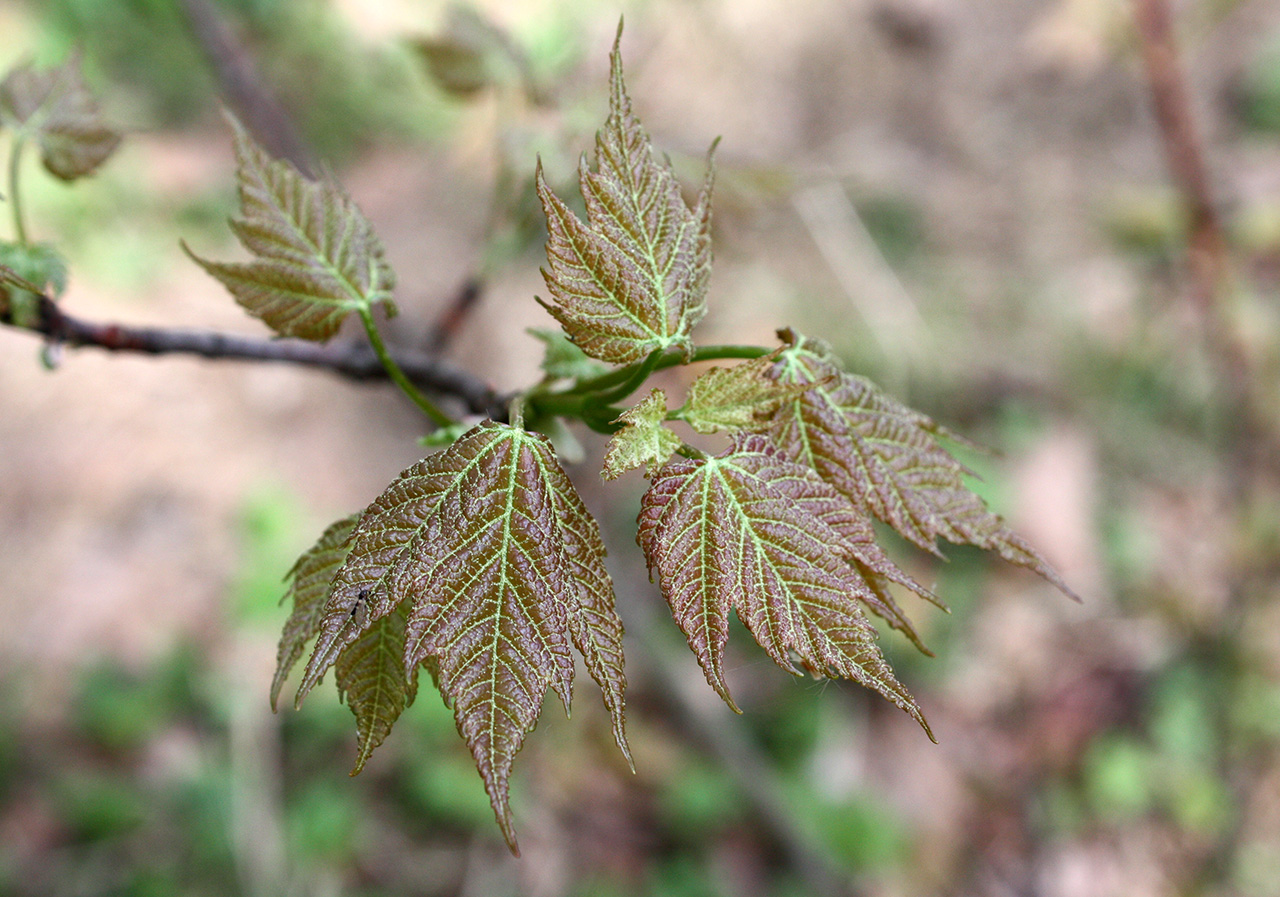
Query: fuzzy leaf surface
[634,277]
[493,556]
[317,257]
[885,458]
[742,397]
[371,677]
[309,582]
[643,439]
[55,107]
[739,532]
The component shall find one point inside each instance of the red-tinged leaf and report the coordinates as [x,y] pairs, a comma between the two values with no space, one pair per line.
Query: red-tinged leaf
[634,277]
[317,258]
[309,582]
[500,568]
[643,440]
[856,542]
[371,678]
[885,458]
[735,532]
[56,108]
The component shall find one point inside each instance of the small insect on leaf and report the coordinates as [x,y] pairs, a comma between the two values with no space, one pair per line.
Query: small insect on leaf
[316,257]
[55,107]
[634,277]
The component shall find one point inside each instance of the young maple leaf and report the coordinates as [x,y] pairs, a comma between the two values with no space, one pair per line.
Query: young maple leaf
[372,678]
[642,440]
[748,530]
[634,277]
[309,581]
[317,258]
[370,671]
[57,109]
[885,458]
[498,566]
[742,397]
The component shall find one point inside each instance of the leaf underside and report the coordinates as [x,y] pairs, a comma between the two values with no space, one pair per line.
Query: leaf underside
[496,564]
[885,458]
[747,530]
[56,107]
[634,277]
[316,257]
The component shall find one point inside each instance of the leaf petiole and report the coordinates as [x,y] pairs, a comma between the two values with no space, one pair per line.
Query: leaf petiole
[15,201]
[632,383]
[429,408]
[606,388]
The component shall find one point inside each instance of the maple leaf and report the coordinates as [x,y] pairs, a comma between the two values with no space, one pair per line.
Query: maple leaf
[885,457]
[642,440]
[370,671]
[317,256]
[492,555]
[742,397]
[745,531]
[372,678]
[309,581]
[634,277]
[56,107]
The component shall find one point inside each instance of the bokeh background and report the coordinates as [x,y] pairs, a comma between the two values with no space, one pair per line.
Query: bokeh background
[969,200]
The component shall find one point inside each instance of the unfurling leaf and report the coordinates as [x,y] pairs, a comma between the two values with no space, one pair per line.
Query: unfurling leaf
[642,440]
[748,530]
[317,257]
[308,588]
[885,458]
[55,107]
[496,563]
[742,397]
[634,277]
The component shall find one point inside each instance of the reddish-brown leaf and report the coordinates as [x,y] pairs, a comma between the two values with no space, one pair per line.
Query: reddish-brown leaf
[634,277]
[885,458]
[746,531]
[499,567]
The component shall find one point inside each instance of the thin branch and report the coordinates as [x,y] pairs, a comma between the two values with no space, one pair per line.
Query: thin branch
[1208,256]
[254,104]
[454,315]
[355,361]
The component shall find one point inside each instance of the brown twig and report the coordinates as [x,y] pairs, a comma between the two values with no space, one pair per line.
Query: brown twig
[1208,257]
[242,89]
[355,361]
[453,316]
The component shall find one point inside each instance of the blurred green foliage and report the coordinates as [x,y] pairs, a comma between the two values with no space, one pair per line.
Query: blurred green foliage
[344,93]
[1259,104]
